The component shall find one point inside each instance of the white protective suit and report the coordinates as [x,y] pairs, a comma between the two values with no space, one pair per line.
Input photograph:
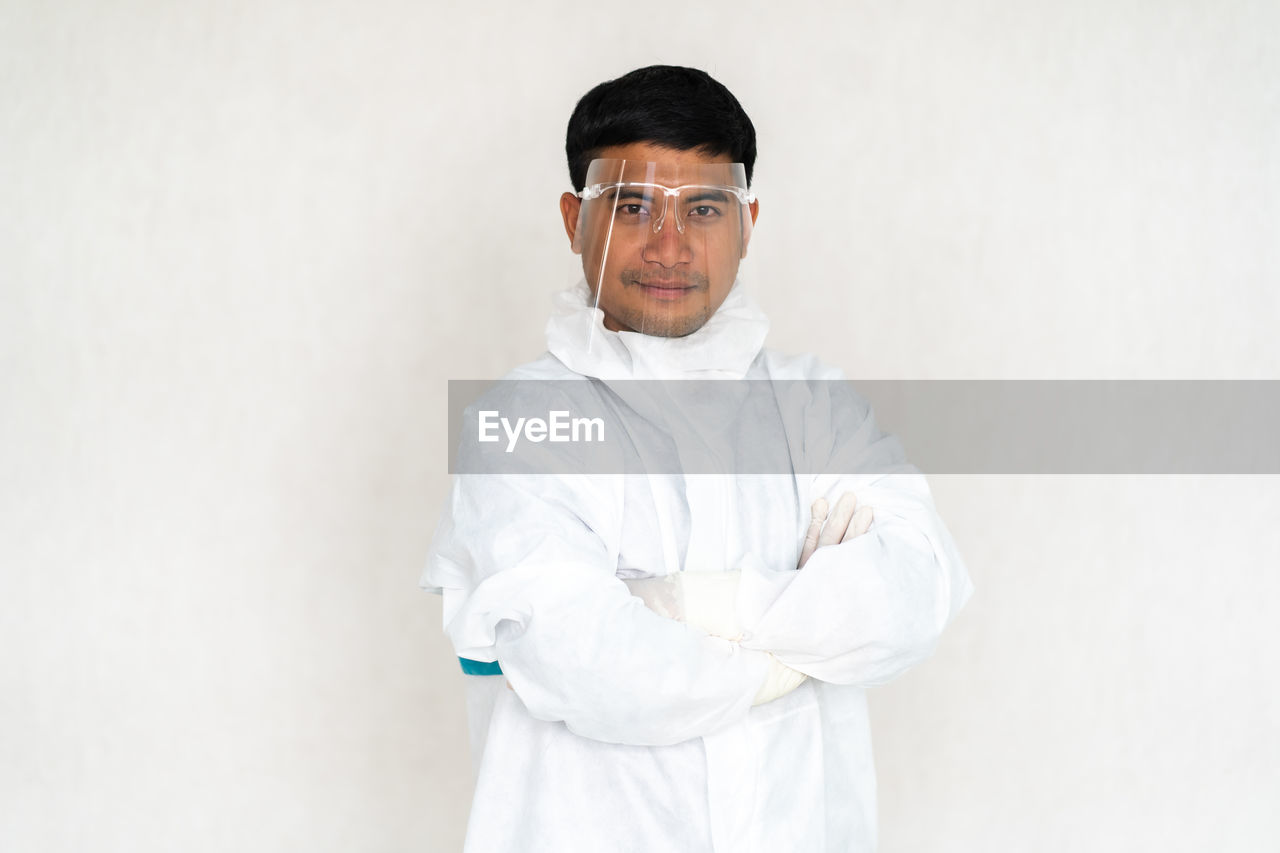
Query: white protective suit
[626,731]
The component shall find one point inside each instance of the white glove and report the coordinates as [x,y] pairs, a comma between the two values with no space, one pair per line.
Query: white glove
[708,600]
[778,681]
[842,525]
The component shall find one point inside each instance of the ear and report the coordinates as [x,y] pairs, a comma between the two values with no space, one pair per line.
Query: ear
[570,205]
[754,207]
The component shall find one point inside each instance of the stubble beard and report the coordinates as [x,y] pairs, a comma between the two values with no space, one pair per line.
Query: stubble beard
[674,322]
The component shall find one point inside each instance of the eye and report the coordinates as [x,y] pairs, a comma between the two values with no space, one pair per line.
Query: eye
[704,211]
[632,210]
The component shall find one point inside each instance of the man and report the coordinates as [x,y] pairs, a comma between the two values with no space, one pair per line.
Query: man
[683,657]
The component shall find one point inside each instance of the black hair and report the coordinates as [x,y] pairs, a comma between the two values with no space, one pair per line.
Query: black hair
[668,105]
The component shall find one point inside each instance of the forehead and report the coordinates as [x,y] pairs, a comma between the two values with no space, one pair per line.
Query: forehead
[610,172]
[645,161]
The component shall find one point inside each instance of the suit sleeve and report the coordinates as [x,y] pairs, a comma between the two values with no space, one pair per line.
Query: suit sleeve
[864,611]
[529,582]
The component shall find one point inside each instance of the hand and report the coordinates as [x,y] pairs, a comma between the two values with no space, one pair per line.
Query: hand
[779,680]
[706,600]
[846,522]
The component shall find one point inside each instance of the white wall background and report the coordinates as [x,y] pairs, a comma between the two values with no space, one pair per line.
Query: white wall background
[244,245]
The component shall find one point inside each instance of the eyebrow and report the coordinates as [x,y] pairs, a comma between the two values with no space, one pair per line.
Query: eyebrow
[620,193]
[707,195]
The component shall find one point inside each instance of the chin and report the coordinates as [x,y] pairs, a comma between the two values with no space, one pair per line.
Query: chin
[666,326]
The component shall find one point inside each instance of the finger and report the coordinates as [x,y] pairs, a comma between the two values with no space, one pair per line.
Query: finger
[818,514]
[860,523]
[838,523]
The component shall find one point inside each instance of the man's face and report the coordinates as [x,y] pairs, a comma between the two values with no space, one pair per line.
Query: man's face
[655,265]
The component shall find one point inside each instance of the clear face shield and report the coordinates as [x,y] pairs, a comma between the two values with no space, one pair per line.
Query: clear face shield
[661,242]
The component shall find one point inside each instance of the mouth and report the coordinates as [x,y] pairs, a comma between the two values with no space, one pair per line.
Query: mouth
[665,289]
[667,292]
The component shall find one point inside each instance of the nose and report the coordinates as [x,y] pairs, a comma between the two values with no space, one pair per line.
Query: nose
[667,244]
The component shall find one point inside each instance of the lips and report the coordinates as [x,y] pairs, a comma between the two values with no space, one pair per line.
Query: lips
[675,289]
[667,292]
[664,283]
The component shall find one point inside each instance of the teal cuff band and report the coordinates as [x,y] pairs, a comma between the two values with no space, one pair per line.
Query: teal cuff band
[479,667]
